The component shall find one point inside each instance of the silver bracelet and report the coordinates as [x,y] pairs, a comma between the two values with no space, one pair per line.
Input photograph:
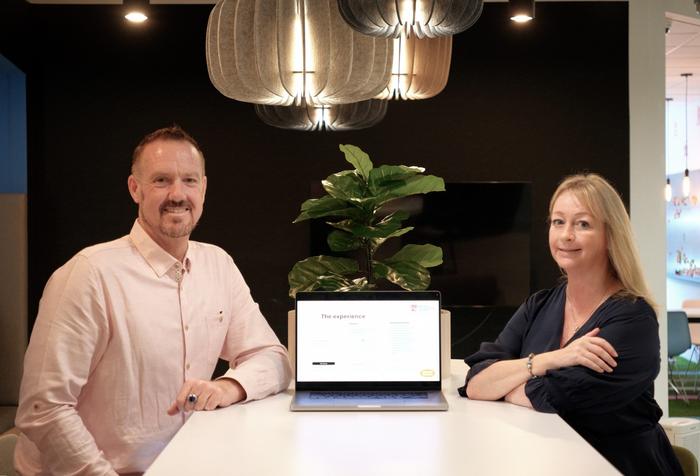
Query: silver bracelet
[529,364]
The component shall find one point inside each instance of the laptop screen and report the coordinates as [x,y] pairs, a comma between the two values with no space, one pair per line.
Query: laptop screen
[376,336]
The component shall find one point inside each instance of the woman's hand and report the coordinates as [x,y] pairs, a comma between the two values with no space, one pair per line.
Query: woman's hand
[588,350]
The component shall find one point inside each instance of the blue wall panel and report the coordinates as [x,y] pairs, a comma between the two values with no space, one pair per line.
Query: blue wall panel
[13,129]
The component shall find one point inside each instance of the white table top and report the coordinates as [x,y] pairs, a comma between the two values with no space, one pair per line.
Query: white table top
[484,438]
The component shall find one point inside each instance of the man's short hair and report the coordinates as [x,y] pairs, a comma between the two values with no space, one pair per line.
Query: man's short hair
[173,132]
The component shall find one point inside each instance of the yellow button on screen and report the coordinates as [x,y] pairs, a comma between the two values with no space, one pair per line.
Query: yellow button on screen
[427,373]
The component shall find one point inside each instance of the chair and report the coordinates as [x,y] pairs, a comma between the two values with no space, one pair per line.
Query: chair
[7,417]
[7,454]
[691,307]
[687,460]
[678,342]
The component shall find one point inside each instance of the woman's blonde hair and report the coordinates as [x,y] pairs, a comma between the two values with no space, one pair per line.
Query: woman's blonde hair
[605,204]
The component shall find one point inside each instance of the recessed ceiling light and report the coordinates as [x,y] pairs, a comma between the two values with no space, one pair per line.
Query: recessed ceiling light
[136,17]
[522,11]
[136,10]
[521,18]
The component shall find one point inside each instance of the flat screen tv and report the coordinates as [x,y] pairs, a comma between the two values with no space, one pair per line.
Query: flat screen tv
[484,229]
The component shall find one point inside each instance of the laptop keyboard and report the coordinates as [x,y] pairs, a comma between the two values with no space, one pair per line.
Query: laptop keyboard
[369,395]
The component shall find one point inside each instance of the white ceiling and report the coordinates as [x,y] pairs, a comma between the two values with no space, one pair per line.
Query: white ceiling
[682,56]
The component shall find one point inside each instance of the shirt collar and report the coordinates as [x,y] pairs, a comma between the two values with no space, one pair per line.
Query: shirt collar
[157,258]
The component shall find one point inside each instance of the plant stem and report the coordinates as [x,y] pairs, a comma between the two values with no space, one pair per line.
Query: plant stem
[368,252]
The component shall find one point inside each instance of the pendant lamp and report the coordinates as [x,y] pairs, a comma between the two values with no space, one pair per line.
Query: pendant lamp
[422,18]
[282,52]
[341,117]
[686,176]
[420,67]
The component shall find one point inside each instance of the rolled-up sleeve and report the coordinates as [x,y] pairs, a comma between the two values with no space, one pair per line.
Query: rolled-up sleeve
[257,359]
[507,345]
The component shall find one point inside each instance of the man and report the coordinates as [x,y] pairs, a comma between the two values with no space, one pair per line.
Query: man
[129,332]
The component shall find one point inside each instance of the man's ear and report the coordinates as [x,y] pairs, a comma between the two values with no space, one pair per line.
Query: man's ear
[133,188]
[204,187]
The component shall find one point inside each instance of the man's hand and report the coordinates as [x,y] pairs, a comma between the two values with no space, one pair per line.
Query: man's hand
[210,395]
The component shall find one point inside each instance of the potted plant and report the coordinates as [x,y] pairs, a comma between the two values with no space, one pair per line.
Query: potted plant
[355,205]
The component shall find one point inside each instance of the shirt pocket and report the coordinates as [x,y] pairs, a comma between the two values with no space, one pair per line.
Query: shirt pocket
[217,327]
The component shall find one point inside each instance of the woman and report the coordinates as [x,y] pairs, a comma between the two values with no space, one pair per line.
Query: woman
[589,348]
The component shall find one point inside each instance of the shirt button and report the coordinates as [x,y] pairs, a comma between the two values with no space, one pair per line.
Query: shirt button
[188,367]
[221,319]
[187,328]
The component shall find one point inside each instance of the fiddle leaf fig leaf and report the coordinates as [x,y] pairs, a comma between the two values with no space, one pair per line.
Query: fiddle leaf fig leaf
[345,186]
[339,284]
[407,274]
[392,222]
[411,186]
[358,284]
[326,206]
[321,272]
[377,242]
[427,256]
[345,225]
[395,218]
[382,229]
[335,283]
[339,240]
[358,158]
[386,175]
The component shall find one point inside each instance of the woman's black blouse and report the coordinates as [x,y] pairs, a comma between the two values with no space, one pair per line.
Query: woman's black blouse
[615,412]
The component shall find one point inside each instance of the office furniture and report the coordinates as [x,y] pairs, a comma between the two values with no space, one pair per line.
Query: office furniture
[13,236]
[678,343]
[691,308]
[7,451]
[7,417]
[688,461]
[472,437]
[683,433]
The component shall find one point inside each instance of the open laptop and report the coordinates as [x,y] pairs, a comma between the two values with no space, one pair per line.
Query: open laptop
[371,350]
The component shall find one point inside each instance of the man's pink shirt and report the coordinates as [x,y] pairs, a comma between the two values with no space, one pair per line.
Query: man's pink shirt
[120,327]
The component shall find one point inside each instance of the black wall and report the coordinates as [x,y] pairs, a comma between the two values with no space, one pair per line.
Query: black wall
[524,103]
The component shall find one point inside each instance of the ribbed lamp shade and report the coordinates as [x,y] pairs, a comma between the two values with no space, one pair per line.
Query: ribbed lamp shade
[424,18]
[341,117]
[280,52]
[420,67]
